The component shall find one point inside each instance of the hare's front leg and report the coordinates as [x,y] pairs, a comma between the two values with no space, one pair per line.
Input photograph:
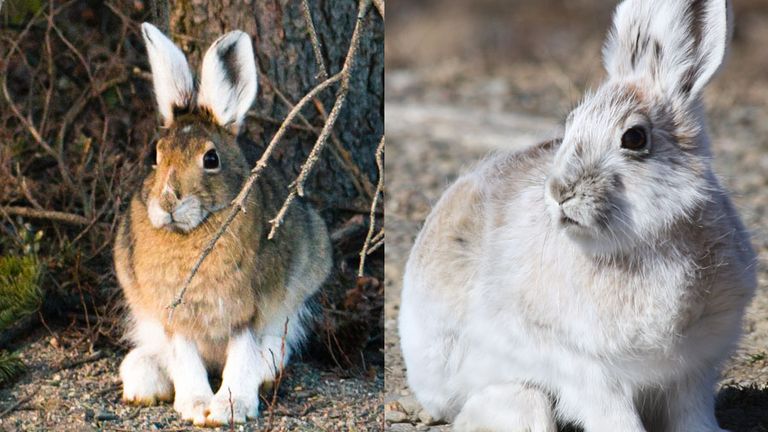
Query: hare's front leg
[143,371]
[244,370]
[190,379]
[600,404]
[691,405]
[508,407]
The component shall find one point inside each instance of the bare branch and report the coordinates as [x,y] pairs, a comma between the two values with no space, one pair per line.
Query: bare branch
[53,215]
[379,4]
[346,71]
[322,72]
[372,220]
[238,203]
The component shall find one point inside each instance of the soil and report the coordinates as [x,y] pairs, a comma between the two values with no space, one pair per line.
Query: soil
[496,77]
[67,391]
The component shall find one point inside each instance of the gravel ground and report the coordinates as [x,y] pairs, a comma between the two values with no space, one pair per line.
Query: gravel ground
[463,81]
[81,392]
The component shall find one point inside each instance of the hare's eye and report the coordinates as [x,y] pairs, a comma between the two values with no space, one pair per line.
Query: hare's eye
[634,139]
[211,160]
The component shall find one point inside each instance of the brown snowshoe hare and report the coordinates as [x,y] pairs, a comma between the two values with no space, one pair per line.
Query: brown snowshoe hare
[234,314]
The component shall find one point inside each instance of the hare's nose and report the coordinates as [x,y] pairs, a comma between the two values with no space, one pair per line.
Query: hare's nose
[559,191]
[171,190]
[171,193]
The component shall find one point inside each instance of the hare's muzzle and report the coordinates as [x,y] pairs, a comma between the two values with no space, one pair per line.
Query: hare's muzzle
[175,213]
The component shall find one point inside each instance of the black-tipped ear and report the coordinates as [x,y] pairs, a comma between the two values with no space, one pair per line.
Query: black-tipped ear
[679,44]
[229,80]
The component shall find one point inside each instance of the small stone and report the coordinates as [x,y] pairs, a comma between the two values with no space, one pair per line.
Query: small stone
[410,404]
[404,392]
[425,418]
[401,427]
[395,416]
[105,416]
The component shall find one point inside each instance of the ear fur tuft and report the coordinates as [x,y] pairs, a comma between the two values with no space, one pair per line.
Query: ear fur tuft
[229,80]
[171,76]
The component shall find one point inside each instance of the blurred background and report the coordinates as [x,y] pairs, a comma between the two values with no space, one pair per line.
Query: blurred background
[77,123]
[468,77]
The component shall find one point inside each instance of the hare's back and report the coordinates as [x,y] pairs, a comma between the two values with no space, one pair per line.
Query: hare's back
[450,245]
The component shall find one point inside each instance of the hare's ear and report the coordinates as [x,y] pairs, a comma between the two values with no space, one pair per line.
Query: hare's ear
[174,86]
[228,80]
[679,44]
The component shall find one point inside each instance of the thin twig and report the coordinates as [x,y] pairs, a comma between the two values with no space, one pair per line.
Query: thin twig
[372,220]
[69,218]
[359,180]
[346,72]
[375,244]
[322,72]
[379,4]
[238,204]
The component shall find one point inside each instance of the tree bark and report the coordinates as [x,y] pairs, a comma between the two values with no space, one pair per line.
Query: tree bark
[287,64]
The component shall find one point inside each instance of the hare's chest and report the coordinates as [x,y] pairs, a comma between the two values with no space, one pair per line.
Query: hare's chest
[219,298]
[601,310]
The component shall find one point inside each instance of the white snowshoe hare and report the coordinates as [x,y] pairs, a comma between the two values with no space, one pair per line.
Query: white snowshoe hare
[234,314]
[599,279]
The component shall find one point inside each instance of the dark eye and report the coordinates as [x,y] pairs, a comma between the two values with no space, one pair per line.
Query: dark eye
[634,139]
[211,160]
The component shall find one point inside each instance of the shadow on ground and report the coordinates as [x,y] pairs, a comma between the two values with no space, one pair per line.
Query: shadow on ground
[743,409]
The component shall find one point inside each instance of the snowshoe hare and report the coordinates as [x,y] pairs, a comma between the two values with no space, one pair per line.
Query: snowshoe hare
[234,314]
[598,279]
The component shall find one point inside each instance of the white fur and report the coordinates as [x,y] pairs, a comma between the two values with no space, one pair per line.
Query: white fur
[667,22]
[157,216]
[190,380]
[241,379]
[625,318]
[143,371]
[229,100]
[185,216]
[508,407]
[171,75]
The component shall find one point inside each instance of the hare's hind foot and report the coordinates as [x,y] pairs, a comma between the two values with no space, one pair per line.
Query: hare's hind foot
[145,382]
[506,408]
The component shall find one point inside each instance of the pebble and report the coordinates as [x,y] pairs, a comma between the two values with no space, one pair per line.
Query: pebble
[409,404]
[395,417]
[106,416]
[401,427]
[427,419]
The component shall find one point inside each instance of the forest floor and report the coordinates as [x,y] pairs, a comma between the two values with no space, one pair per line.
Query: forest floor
[462,82]
[66,391]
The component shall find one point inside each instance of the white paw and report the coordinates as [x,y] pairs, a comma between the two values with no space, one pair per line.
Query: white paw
[506,408]
[144,381]
[193,407]
[223,410]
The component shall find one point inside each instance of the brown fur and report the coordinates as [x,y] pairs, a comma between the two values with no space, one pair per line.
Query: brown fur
[246,278]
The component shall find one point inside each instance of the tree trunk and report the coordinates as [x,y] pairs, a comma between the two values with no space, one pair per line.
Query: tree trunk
[341,184]
[287,64]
